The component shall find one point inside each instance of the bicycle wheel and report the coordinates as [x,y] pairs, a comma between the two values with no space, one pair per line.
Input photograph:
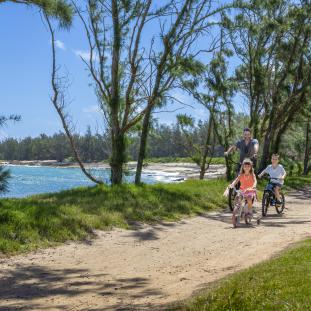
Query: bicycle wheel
[231,198]
[265,203]
[248,219]
[280,208]
[234,221]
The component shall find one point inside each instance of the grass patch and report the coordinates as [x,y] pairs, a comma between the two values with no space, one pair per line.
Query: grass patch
[297,182]
[43,220]
[283,283]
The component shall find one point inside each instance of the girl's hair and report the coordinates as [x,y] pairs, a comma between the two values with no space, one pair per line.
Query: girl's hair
[242,167]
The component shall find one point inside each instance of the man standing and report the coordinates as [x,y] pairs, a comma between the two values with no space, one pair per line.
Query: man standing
[248,148]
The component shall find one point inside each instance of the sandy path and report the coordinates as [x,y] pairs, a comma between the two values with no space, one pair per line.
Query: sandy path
[148,267]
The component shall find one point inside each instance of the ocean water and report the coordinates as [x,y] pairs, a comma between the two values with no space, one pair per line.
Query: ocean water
[30,180]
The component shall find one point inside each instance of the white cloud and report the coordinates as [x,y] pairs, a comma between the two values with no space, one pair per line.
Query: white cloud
[61,45]
[3,135]
[91,109]
[85,55]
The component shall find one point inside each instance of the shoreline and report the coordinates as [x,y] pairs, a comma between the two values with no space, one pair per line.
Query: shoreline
[183,171]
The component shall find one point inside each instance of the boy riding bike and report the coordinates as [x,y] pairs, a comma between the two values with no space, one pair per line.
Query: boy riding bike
[247,192]
[277,175]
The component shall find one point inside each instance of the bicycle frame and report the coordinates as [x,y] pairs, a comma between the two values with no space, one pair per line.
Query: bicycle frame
[269,199]
[239,200]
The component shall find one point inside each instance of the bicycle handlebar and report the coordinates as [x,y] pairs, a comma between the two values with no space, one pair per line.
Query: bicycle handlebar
[270,178]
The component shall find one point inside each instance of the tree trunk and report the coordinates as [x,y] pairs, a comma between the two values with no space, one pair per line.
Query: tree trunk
[277,142]
[203,163]
[307,150]
[117,136]
[266,152]
[229,175]
[143,145]
[117,158]
[254,125]
[224,141]
[206,148]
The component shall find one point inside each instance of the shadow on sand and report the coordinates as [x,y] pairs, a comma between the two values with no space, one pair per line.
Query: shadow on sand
[28,287]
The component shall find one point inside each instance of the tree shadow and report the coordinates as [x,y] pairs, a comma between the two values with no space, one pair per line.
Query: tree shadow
[268,223]
[226,217]
[303,194]
[145,235]
[31,307]
[221,216]
[271,220]
[23,284]
[133,307]
[143,232]
[45,282]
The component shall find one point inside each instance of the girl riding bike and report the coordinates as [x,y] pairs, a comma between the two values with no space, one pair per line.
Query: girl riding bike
[247,191]
[248,148]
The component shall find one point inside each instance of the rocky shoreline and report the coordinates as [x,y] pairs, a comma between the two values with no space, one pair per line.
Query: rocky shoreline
[182,170]
[53,163]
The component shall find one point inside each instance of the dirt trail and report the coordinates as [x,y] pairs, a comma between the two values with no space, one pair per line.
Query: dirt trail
[147,267]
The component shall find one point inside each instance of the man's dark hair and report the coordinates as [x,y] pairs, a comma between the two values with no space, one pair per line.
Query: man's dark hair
[247,129]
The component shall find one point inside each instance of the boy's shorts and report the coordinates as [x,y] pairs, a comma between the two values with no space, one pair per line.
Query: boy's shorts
[276,184]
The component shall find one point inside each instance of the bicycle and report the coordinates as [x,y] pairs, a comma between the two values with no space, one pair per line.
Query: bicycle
[269,199]
[233,191]
[243,211]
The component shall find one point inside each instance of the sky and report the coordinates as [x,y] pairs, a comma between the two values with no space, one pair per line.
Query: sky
[25,66]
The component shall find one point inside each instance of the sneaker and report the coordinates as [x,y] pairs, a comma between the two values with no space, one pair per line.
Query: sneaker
[278,202]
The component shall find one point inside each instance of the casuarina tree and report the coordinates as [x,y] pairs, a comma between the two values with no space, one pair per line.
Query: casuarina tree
[137,51]
[59,9]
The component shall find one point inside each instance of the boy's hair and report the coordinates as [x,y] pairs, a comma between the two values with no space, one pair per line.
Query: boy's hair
[275,155]
[247,129]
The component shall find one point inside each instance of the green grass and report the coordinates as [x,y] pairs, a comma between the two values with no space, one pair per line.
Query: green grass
[219,160]
[44,220]
[297,182]
[283,283]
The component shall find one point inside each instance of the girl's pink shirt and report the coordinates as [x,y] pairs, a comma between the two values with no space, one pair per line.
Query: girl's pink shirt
[247,181]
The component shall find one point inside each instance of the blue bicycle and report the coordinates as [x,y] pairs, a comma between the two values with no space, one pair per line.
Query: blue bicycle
[269,199]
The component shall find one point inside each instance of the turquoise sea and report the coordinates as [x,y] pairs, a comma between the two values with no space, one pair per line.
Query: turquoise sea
[29,180]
